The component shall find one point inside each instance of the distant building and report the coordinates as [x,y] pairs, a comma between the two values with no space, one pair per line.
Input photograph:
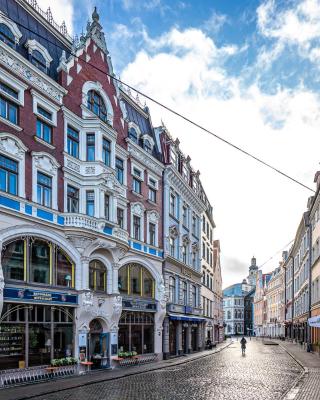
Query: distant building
[275,303]
[260,304]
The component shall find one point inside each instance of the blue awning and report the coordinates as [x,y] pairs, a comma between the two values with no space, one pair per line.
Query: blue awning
[181,317]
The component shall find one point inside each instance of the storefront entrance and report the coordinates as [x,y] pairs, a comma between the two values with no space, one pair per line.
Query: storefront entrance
[194,338]
[98,345]
[136,332]
[173,338]
[184,338]
[32,335]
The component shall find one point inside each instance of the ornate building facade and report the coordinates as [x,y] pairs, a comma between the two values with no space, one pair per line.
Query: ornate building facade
[100,212]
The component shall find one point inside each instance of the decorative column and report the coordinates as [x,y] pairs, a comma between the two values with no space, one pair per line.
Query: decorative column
[166,349]
[114,285]
[188,338]
[85,272]
[179,338]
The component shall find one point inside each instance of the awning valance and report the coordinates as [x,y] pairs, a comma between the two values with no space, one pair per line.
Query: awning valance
[181,317]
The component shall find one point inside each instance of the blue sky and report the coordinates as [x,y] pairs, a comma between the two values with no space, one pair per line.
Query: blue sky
[248,70]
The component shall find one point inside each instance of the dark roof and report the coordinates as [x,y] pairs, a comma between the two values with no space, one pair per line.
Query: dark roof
[21,16]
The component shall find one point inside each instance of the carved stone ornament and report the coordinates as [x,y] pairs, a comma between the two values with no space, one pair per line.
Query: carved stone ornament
[10,146]
[123,109]
[118,252]
[162,294]
[173,231]
[137,209]
[45,163]
[153,216]
[141,156]
[87,302]
[81,243]
[185,239]
[117,308]
[13,63]
[195,246]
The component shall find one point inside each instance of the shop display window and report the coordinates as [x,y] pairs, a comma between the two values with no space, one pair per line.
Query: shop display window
[37,261]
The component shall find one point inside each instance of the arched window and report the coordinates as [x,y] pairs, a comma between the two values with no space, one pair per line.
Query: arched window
[97,106]
[33,259]
[38,60]
[133,135]
[97,276]
[172,289]
[135,280]
[7,36]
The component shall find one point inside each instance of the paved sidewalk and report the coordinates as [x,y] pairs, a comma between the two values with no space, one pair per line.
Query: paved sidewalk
[308,386]
[41,389]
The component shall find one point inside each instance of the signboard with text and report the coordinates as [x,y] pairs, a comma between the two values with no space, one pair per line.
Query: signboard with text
[39,296]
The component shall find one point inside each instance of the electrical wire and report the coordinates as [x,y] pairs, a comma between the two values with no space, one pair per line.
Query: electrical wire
[283,248]
[171,110]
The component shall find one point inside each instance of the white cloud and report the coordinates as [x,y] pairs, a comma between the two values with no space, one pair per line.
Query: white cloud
[62,10]
[295,24]
[255,210]
[215,22]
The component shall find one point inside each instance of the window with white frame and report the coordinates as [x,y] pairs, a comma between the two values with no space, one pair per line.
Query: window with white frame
[147,146]
[193,296]
[90,209]
[153,186]
[173,157]
[172,204]
[137,221]
[194,258]
[38,55]
[90,147]
[172,246]
[185,215]
[184,253]
[172,289]
[136,227]
[9,175]
[194,225]
[106,151]
[152,234]
[72,199]
[44,129]
[9,31]
[133,135]
[73,142]
[45,179]
[107,206]
[11,97]
[120,217]
[120,170]
[137,178]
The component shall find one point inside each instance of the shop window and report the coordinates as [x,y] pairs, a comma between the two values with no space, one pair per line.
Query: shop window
[13,260]
[97,276]
[133,279]
[97,106]
[44,262]
[64,270]
[40,262]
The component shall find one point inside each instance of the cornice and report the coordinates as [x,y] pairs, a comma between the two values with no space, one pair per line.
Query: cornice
[28,72]
[177,181]
[145,158]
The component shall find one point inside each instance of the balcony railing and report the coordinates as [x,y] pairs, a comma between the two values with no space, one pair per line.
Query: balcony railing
[83,221]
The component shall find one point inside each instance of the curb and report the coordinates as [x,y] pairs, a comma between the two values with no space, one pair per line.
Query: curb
[292,392]
[178,361]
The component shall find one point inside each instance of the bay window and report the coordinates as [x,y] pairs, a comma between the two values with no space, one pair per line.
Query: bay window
[90,147]
[106,152]
[73,142]
[119,169]
[90,203]
[107,207]
[120,217]
[72,199]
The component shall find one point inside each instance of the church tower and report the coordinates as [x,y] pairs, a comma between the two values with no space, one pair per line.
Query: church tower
[253,270]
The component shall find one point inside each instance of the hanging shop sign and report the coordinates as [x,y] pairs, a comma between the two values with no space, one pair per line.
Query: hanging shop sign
[39,296]
[138,305]
[314,322]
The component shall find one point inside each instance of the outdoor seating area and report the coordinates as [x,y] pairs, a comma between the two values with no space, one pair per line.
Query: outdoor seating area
[21,376]
[135,360]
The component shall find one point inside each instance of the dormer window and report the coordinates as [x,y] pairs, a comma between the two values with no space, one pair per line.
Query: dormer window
[7,36]
[147,146]
[97,106]
[133,135]
[38,55]
[38,61]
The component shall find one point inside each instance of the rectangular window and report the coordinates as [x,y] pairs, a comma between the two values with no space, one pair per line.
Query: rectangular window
[7,89]
[152,195]
[120,217]
[90,203]
[44,113]
[8,110]
[172,247]
[8,175]
[172,204]
[203,251]
[152,234]
[184,254]
[136,227]
[119,169]
[44,189]
[44,131]
[107,207]
[194,259]
[185,215]
[194,225]
[90,147]
[136,185]
[106,152]
[72,199]
[73,142]
[193,296]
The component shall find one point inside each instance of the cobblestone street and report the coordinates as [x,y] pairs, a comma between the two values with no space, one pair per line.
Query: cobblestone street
[266,372]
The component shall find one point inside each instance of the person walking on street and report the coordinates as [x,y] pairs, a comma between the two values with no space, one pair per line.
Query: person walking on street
[243,345]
